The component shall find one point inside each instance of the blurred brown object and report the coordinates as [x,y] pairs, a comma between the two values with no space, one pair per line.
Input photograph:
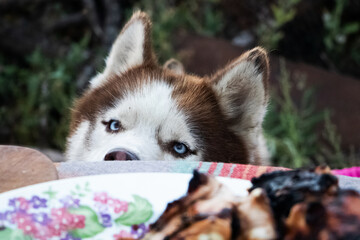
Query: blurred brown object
[334,217]
[339,93]
[20,167]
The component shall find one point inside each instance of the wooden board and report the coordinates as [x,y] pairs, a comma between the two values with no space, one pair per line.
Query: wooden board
[20,166]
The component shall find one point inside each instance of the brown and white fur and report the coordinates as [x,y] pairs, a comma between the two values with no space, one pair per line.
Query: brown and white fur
[215,118]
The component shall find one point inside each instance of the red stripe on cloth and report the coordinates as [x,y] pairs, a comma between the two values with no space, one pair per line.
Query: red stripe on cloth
[200,164]
[247,172]
[251,172]
[238,171]
[212,168]
[225,171]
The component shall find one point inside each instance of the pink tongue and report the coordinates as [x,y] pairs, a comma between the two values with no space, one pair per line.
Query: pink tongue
[120,156]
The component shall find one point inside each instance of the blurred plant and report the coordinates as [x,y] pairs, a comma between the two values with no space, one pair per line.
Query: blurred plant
[201,17]
[336,32]
[292,131]
[269,30]
[331,152]
[36,99]
[289,129]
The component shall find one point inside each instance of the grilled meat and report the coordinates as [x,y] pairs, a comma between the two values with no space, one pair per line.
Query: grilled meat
[211,211]
[287,188]
[287,205]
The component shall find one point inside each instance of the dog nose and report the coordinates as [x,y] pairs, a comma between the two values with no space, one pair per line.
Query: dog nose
[120,155]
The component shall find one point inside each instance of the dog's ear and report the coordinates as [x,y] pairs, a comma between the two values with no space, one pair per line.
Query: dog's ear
[242,89]
[175,66]
[131,48]
[133,45]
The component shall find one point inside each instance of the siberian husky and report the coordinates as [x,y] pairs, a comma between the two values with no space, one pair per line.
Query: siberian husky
[138,110]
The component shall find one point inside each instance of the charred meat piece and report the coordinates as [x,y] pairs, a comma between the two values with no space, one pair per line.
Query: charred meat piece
[206,209]
[333,217]
[287,188]
[211,211]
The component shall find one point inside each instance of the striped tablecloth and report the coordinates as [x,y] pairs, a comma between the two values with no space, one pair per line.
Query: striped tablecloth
[75,169]
[242,171]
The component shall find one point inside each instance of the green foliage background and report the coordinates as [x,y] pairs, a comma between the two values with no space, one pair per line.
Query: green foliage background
[37,98]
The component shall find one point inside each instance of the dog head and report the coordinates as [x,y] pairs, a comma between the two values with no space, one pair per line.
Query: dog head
[137,110]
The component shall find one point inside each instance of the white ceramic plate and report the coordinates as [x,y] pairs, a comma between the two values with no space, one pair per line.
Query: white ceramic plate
[93,207]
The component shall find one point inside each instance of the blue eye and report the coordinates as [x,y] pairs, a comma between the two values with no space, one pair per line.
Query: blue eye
[180,148]
[112,126]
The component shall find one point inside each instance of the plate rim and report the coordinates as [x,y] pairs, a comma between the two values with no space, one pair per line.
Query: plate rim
[113,175]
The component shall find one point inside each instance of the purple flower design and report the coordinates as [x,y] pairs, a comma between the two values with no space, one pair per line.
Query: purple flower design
[2,216]
[41,218]
[106,220]
[12,202]
[139,230]
[70,202]
[7,216]
[69,237]
[19,204]
[38,202]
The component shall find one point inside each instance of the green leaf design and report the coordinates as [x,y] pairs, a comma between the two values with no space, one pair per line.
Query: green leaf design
[10,234]
[87,187]
[50,193]
[138,212]
[92,224]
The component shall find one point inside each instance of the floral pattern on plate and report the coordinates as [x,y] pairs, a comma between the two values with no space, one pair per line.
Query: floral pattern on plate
[78,214]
